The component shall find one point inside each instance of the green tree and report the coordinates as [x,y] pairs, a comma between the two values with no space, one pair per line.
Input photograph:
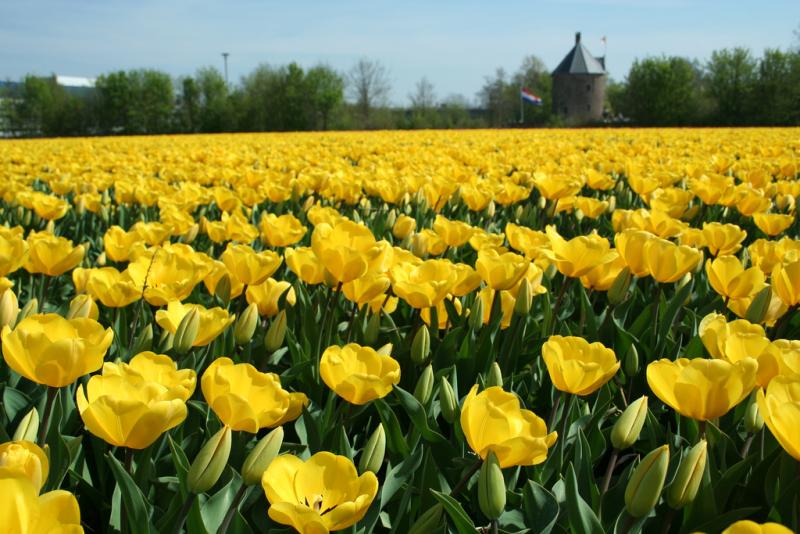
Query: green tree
[325,92]
[189,105]
[423,105]
[216,112]
[661,91]
[775,90]
[114,99]
[731,77]
[534,76]
[369,86]
[154,98]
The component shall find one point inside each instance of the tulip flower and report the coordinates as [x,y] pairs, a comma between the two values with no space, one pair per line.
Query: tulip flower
[699,388]
[304,263]
[26,458]
[366,289]
[166,274]
[577,366]
[630,246]
[267,294]
[667,262]
[119,244]
[493,420]
[13,253]
[723,239]
[231,227]
[23,510]
[281,231]
[358,374]
[404,226]
[248,266]
[579,255]
[751,527]
[731,280]
[231,287]
[347,250]
[113,288]
[442,316]
[453,233]
[779,405]
[213,321]
[555,187]
[786,282]
[51,255]
[530,242]
[591,207]
[507,305]
[48,349]
[427,242]
[466,280]
[322,494]
[772,224]
[602,277]
[424,285]
[500,271]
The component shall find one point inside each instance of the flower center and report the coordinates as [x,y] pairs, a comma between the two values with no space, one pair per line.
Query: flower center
[316,505]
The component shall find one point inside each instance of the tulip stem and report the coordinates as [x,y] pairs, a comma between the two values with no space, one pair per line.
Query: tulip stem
[45,285]
[747,443]
[495,528]
[562,290]
[655,316]
[52,393]
[612,463]
[554,412]
[184,512]
[567,402]
[463,482]
[237,500]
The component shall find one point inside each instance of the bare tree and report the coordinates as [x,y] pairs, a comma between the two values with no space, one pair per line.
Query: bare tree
[369,85]
[424,97]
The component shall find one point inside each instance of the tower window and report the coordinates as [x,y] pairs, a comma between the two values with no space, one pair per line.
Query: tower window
[588,87]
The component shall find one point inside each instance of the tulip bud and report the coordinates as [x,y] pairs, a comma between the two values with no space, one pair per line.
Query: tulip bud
[144,340]
[421,345]
[631,362]
[618,291]
[223,288]
[246,325]
[308,204]
[419,246]
[494,377]
[80,307]
[50,227]
[579,214]
[759,307]
[684,280]
[447,400]
[491,487]
[753,422]
[424,387]
[28,428]
[522,306]
[646,482]
[476,314]
[391,218]
[210,462]
[31,308]
[104,214]
[518,213]
[166,341]
[629,425]
[186,332]
[276,332]
[101,259]
[372,455]
[28,218]
[428,522]
[551,271]
[687,480]
[612,203]
[541,203]
[9,309]
[261,456]
[373,329]
[490,209]
[190,234]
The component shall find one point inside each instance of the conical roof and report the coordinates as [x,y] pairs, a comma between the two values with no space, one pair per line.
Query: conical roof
[579,61]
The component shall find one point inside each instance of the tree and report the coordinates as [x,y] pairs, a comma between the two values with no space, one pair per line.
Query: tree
[493,97]
[423,102]
[326,92]
[114,98]
[661,91]
[533,75]
[216,114]
[369,87]
[772,91]
[731,78]
[189,105]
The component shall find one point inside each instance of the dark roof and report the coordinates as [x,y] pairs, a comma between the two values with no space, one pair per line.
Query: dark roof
[580,61]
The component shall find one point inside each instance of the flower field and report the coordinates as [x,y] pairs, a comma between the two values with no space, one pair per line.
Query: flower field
[579,331]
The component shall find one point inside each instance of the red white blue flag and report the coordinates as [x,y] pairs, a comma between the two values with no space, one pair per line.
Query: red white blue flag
[529,97]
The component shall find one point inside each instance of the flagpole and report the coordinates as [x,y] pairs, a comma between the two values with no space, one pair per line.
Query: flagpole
[521,107]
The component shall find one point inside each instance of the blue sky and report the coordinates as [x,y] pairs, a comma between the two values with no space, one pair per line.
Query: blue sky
[454,44]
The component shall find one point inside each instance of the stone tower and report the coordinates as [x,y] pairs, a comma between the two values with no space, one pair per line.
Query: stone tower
[579,86]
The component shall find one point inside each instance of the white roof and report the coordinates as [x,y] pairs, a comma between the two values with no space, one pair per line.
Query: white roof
[74,81]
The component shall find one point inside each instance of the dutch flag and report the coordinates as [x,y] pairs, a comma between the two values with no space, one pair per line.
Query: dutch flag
[530,97]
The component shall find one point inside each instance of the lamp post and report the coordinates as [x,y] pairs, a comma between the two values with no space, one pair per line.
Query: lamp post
[225,60]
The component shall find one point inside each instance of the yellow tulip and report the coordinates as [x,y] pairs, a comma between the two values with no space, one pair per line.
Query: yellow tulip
[424,285]
[591,207]
[248,266]
[751,527]
[441,313]
[602,277]
[267,294]
[48,349]
[775,308]
[404,226]
[728,277]
[428,242]
[723,239]
[507,303]
[579,255]
[577,366]
[668,262]
[366,289]
[13,253]
[304,263]
[159,368]
[786,282]
[772,224]
[322,494]
[25,511]
[630,246]
[493,420]
[26,458]
[51,255]
[501,271]
[281,231]
[555,187]
[324,214]
[49,207]
[467,280]
[113,288]
[347,250]
[531,243]
[453,233]
[167,274]
[213,321]
[702,389]
[152,233]
[119,244]
[482,239]
[217,272]
[358,374]
[780,408]
[231,227]
[243,397]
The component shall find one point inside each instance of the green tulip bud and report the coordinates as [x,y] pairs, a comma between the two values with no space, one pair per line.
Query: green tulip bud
[101,259]
[31,308]
[385,350]
[374,451]
[631,362]
[424,387]
[494,377]
[753,422]
[391,218]
[447,400]
[541,203]
[550,271]
[578,213]
[518,213]
[646,482]
[491,488]
[223,289]
[522,306]
[612,203]
[373,329]
[28,428]
[210,462]
[104,214]
[261,456]
[618,291]
[421,345]
[428,522]
[759,306]
[9,309]
[166,341]
[144,340]
[629,425]
[687,480]
[475,319]
[190,234]
[186,332]
[490,209]
[80,307]
[246,325]
[276,332]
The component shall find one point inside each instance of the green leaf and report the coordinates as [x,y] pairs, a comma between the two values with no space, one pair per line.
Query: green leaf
[669,315]
[416,412]
[134,503]
[580,515]
[214,509]
[540,508]
[399,475]
[461,520]
[15,403]
[394,435]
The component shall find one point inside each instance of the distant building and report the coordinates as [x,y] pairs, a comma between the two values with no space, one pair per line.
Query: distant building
[579,86]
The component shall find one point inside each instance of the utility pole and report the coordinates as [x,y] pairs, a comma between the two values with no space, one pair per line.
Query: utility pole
[225,60]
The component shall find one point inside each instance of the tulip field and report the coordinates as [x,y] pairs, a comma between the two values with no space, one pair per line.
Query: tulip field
[566,331]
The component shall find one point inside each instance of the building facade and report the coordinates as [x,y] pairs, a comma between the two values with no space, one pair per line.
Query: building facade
[579,86]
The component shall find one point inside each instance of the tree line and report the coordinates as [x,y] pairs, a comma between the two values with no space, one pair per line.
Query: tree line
[732,88]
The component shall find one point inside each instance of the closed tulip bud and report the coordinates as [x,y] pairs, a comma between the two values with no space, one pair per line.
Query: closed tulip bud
[385,350]
[190,234]
[646,482]
[166,341]
[421,345]
[419,246]
[144,340]
[490,209]
[494,377]
[759,307]
[612,203]
[476,314]
[308,204]
[210,462]
[373,329]
[518,213]
[31,308]
[687,480]
[391,218]
[447,401]
[631,362]
[491,488]
[629,425]
[223,288]
[551,271]
[9,309]
[187,331]
[28,428]
[541,203]
[374,451]
[20,212]
[80,307]
[101,259]
[619,288]
[579,214]
[753,422]
[424,387]
[50,227]
[428,522]
[522,306]
[246,325]
[276,332]
[261,456]
[104,214]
